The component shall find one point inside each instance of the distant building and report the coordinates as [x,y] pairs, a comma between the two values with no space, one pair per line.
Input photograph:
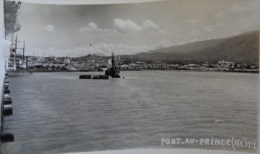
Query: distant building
[206,65]
[124,67]
[225,64]
[133,67]
[159,66]
[173,67]
[192,66]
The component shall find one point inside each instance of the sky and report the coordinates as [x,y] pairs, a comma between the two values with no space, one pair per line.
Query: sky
[78,30]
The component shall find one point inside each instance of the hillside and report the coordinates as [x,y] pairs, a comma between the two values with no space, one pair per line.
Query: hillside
[243,48]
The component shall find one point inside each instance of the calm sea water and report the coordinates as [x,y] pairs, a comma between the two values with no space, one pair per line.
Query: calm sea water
[57,112]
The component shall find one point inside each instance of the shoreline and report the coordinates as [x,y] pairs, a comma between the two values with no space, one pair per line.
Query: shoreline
[186,70]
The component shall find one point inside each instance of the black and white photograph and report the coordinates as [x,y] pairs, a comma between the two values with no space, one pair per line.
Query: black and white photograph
[129,76]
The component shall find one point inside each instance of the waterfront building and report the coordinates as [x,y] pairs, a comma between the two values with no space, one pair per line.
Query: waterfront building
[124,67]
[162,66]
[225,64]
[173,66]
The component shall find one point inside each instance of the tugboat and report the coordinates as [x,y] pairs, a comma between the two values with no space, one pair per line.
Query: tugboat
[113,71]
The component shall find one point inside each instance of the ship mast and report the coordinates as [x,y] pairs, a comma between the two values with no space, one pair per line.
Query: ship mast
[15,43]
[113,60]
[15,47]
[23,49]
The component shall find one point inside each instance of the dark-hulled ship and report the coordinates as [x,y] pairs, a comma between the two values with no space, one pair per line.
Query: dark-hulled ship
[113,71]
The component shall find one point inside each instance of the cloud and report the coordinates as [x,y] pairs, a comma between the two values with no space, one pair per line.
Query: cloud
[108,48]
[131,26]
[126,25]
[152,27]
[103,48]
[148,24]
[49,28]
[237,8]
[119,49]
[91,27]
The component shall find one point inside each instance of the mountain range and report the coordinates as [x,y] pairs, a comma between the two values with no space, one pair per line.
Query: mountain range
[242,48]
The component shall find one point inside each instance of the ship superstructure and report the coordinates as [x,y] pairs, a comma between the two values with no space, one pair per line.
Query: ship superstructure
[113,71]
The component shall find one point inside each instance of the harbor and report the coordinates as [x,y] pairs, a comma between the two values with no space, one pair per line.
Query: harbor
[57,112]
